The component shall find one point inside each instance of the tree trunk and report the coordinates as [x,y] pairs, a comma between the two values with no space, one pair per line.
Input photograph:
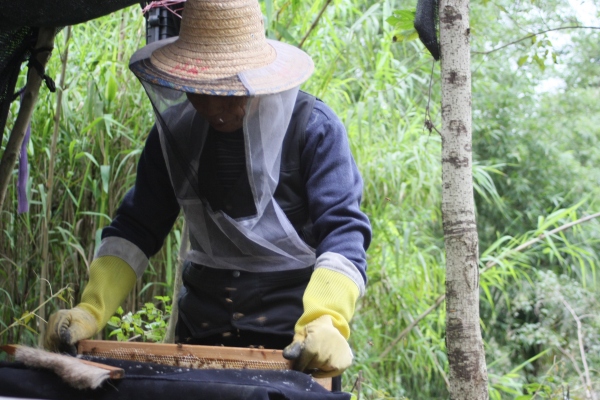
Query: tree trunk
[47,221]
[468,374]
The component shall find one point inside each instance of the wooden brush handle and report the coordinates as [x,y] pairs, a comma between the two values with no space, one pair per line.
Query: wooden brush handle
[113,372]
[9,349]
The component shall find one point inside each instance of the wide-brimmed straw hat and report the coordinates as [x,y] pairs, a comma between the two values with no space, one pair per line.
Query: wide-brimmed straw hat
[222,50]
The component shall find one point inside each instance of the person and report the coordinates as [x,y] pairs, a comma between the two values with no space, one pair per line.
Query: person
[269,190]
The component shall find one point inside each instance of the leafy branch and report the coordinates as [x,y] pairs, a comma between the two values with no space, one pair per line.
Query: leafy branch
[588,380]
[148,323]
[28,315]
[489,265]
[314,24]
[534,35]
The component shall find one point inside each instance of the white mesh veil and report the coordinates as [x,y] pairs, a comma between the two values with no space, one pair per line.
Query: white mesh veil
[263,241]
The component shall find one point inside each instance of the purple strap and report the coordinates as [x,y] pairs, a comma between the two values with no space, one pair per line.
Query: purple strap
[23,172]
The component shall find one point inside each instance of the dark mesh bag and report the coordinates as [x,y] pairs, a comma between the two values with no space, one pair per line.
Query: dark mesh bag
[426,19]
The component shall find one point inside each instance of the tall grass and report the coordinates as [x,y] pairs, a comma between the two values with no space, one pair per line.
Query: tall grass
[104,120]
[380,91]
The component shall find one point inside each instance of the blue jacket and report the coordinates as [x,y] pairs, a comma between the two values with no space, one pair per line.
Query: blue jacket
[332,186]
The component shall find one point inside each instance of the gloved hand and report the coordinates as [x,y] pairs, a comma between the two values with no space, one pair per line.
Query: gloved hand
[111,279]
[67,327]
[320,344]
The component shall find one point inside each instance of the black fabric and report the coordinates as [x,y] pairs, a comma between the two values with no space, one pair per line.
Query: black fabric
[425,24]
[231,157]
[146,381]
[217,302]
[235,338]
[236,200]
[20,13]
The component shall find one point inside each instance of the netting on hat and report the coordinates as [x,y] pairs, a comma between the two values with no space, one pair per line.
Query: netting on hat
[263,238]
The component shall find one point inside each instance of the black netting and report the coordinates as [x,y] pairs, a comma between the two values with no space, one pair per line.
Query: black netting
[425,23]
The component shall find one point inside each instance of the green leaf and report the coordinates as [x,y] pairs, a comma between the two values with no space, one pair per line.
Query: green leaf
[533,387]
[26,317]
[540,62]
[402,19]
[88,155]
[111,88]
[105,175]
[72,147]
[522,60]
[285,34]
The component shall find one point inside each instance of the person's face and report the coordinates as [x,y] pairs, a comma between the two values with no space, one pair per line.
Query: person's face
[223,113]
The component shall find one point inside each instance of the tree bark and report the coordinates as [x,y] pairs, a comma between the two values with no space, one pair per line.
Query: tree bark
[466,356]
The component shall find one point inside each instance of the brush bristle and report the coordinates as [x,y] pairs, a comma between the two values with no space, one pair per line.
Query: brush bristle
[76,374]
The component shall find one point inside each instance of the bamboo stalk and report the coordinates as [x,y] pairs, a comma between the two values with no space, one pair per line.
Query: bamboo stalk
[50,185]
[183,249]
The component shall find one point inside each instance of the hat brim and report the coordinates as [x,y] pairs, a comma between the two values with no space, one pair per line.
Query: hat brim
[290,69]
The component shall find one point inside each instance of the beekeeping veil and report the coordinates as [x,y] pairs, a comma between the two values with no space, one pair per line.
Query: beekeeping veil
[222,51]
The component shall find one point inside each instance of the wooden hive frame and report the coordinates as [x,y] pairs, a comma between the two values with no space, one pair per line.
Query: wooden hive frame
[191,356]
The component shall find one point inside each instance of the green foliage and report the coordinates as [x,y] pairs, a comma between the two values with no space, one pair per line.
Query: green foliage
[104,121]
[149,323]
[403,23]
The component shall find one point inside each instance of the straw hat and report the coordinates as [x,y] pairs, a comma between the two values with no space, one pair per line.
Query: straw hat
[222,50]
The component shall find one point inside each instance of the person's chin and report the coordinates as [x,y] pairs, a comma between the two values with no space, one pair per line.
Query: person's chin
[226,127]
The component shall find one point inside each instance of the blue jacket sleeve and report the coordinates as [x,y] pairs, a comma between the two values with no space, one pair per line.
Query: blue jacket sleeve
[150,208]
[334,188]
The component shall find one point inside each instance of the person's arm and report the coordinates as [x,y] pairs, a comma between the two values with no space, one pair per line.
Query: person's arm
[143,220]
[343,233]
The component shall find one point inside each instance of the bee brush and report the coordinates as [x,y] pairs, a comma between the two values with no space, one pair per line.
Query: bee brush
[78,373]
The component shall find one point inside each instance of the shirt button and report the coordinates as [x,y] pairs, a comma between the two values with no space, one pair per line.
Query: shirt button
[237,316]
[235,274]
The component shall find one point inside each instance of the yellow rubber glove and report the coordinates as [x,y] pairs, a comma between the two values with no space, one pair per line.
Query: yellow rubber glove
[111,279]
[320,344]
